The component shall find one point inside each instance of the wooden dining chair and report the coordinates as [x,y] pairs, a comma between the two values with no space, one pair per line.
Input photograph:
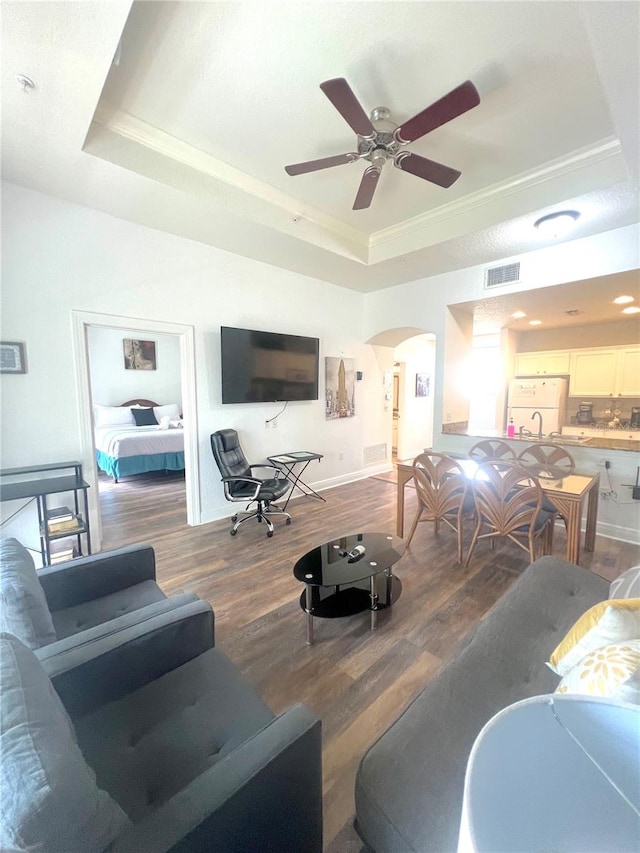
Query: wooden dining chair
[491,448]
[508,501]
[551,462]
[443,494]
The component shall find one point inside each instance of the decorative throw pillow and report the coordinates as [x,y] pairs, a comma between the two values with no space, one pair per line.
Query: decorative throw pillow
[23,605]
[144,417]
[171,411]
[627,585]
[611,621]
[49,799]
[612,671]
[112,416]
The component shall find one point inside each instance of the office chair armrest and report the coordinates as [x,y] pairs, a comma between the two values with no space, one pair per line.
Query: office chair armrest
[253,480]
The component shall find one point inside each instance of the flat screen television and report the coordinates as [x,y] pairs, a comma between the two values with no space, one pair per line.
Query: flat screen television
[267,367]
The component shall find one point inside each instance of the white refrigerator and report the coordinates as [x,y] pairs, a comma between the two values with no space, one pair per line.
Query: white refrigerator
[547,396]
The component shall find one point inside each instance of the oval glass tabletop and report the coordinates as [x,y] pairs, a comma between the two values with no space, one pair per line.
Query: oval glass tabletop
[330,564]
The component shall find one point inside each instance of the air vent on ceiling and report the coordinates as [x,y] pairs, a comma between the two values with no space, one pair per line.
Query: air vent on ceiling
[507,274]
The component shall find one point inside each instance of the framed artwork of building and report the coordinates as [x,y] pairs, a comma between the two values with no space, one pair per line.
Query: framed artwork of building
[340,386]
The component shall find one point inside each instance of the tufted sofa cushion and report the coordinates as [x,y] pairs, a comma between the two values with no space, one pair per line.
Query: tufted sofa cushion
[152,743]
[409,786]
[23,606]
[71,620]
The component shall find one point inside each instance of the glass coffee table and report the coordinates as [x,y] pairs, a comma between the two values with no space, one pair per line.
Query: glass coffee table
[349,575]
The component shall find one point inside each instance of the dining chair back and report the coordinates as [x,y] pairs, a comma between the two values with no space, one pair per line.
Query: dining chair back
[508,501]
[548,461]
[491,448]
[442,490]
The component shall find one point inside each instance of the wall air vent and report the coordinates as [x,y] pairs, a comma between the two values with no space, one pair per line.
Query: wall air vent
[375,453]
[498,276]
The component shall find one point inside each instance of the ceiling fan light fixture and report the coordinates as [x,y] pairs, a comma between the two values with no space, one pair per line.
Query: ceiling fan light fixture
[557,224]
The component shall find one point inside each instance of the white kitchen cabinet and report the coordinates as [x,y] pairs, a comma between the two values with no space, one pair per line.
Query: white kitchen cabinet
[628,379]
[542,363]
[593,373]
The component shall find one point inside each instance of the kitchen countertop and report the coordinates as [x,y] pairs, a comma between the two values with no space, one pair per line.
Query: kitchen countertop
[568,441]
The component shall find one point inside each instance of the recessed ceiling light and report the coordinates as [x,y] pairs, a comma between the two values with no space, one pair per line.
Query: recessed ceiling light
[622,300]
[535,322]
[557,224]
[518,315]
[632,309]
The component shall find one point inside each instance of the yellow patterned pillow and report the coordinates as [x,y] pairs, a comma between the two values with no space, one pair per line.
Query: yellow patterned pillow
[611,621]
[610,671]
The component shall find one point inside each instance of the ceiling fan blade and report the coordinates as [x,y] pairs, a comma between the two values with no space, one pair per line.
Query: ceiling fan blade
[341,96]
[367,188]
[324,163]
[464,97]
[426,169]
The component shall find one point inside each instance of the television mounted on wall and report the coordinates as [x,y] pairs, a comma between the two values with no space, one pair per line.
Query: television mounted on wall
[267,367]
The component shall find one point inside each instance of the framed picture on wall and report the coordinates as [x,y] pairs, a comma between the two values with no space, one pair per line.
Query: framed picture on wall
[423,380]
[12,357]
[139,355]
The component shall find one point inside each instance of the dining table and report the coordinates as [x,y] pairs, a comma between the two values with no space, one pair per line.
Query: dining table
[568,493]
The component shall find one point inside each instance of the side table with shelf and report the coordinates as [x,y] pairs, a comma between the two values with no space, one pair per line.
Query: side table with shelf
[19,483]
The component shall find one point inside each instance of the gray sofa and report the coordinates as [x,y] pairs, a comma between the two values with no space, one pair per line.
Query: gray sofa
[186,756]
[61,606]
[409,786]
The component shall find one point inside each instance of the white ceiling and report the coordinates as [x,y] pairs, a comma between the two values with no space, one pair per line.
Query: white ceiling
[190,131]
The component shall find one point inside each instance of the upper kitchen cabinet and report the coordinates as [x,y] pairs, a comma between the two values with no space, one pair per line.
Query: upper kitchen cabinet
[629,372]
[542,363]
[605,373]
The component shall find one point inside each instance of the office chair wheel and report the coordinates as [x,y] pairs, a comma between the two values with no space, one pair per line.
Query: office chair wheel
[269,534]
[288,521]
[232,532]
[234,518]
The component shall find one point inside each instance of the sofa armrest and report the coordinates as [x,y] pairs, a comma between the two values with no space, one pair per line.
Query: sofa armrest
[89,675]
[86,578]
[264,796]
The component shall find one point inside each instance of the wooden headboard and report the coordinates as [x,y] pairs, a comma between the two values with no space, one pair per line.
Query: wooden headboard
[147,403]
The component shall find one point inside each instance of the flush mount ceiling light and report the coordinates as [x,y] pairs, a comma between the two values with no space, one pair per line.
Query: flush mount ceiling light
[633,309]
[557,224]
[518,315]
[622,300]
[535,322]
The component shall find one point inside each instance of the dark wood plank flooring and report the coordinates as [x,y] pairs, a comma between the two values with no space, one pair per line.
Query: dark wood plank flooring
[356,680]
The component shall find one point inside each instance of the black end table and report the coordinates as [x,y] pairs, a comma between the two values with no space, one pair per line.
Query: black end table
[337,584]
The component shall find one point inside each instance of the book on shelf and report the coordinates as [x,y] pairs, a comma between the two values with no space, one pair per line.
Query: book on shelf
[59,513]
[64,555]
[74,523]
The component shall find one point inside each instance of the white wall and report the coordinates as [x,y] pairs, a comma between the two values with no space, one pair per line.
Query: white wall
[415,427]
[112,385]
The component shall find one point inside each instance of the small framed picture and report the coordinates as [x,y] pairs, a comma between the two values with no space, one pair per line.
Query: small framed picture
[422,384]
[13,358]
[139,355]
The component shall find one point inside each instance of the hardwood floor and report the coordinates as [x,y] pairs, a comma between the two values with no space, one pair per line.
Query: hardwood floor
[357,681]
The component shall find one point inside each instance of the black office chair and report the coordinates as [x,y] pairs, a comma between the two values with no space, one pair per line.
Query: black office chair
[241,486]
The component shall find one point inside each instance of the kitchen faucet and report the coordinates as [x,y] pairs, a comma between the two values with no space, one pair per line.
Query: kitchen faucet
[540,426]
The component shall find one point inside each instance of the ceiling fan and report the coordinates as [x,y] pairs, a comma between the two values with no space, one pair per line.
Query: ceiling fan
[380,139]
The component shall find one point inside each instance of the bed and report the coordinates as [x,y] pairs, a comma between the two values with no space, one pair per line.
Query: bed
[137,437]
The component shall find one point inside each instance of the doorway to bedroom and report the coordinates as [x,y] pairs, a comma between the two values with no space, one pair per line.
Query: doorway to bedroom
[139,471]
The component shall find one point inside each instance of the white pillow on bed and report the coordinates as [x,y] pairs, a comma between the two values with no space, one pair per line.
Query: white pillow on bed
[113,416]
[170,411]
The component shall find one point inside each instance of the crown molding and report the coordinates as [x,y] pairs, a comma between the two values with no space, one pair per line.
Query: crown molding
[139,132]
[578,160]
